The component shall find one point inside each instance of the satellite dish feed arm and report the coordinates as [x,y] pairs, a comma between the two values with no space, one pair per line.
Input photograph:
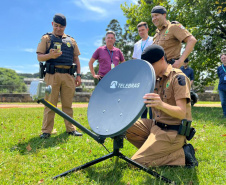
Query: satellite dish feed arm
[98,138]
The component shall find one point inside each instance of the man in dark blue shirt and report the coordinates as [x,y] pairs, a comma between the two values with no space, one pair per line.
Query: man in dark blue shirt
[221,72]
[188,71]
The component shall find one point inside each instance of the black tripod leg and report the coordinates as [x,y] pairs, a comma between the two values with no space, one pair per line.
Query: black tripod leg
[145,169]
[85,165]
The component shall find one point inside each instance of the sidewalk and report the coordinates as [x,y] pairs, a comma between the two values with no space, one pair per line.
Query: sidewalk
[207,105]
[78,105]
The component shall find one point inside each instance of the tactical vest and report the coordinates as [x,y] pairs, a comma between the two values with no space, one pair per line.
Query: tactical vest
[67,49]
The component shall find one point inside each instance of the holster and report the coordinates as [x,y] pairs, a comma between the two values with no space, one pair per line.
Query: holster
[73,69]
[42,70]
[50,68]
[185,129]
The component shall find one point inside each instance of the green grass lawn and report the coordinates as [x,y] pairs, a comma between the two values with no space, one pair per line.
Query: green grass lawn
[26,159]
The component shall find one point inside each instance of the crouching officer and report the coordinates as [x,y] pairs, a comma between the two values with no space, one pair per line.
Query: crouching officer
[162,141]
[60,51]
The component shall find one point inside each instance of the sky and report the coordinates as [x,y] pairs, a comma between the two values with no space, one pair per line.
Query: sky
[23,22]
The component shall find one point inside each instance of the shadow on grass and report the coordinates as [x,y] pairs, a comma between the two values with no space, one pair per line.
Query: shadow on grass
[107,174]
[34,144]
[113,173]
[178,174]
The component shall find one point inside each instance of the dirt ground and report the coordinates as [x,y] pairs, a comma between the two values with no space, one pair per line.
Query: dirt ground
[37,105]
[2,105]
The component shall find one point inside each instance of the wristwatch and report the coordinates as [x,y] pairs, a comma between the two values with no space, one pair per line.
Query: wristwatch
[79,74]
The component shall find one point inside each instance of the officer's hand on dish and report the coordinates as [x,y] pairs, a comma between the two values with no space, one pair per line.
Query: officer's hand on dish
[54,53]
[177,64]
[78,81]
[153,100]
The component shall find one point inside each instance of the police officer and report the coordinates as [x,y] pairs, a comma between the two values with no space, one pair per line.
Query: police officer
[60,51]
[170,36]
[157,140]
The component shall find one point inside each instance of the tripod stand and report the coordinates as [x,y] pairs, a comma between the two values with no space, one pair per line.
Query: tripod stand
[112,108]
[117,144]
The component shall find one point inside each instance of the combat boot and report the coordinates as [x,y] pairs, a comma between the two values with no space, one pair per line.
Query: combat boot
[190,160]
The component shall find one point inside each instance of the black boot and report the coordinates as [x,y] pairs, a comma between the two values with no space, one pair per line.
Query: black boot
[75,133]
[45,136]
[190,159]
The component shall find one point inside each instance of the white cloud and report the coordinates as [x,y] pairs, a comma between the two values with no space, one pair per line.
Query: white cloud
[25,68]
[86,4]
[98,43]
[14,67]
[99,9]
[84,59]
[85,69]
[135,1]
[105,1]
[29,50]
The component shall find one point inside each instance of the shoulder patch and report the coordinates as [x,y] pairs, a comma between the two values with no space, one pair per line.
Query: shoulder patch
[181,26]
[181,80]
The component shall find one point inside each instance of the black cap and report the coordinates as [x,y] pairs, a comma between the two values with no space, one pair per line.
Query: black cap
[153,53]
[60,19]
[158,9]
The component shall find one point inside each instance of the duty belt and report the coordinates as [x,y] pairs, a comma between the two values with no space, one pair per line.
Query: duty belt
[62,70]
[167,127]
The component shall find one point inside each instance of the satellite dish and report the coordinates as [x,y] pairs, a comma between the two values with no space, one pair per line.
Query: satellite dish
[117,101]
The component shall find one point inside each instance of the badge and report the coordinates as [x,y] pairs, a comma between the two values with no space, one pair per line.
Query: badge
[112,66]
[167,84]
[68,44]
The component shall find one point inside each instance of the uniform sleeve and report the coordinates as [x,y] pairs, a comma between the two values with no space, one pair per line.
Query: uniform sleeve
[96,54]
[154,38]
[43,45]
[180,32]
[76,50]
[181,87]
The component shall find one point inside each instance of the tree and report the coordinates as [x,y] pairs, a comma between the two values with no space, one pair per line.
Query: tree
[205,19]
[87,76]
[28,75]
[10,81]
[127,44]
[114,25]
